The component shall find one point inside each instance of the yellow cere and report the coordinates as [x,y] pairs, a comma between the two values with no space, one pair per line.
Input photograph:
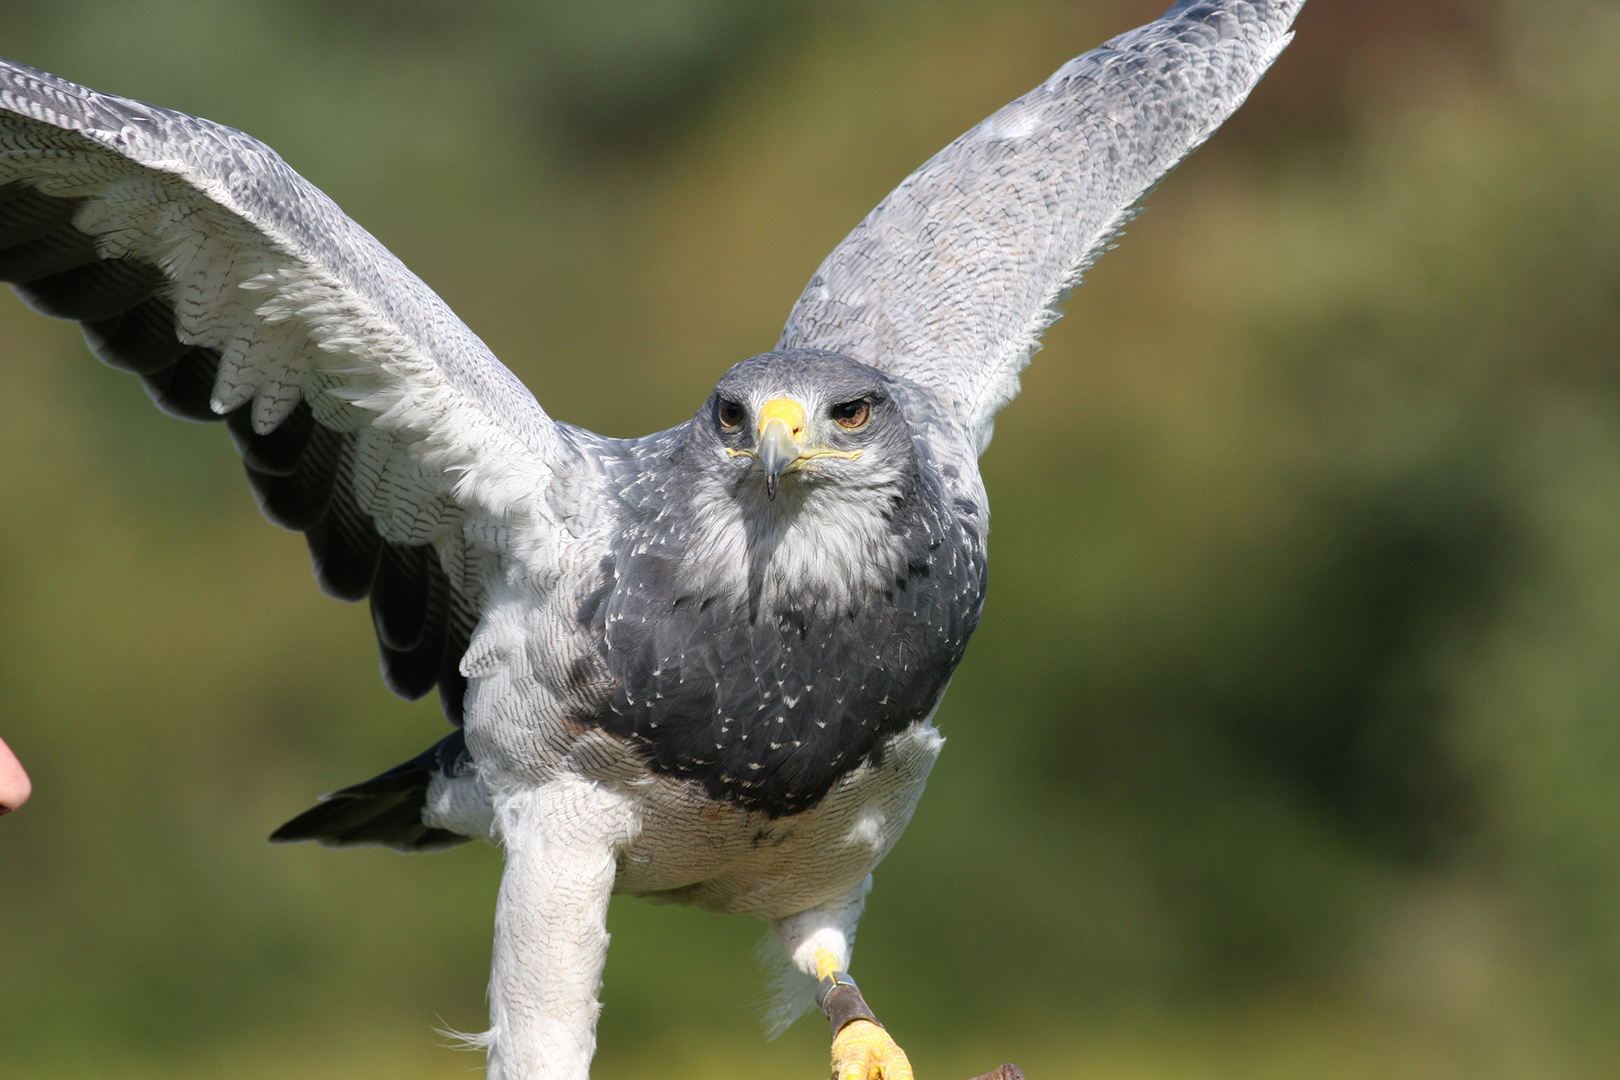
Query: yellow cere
[787,410]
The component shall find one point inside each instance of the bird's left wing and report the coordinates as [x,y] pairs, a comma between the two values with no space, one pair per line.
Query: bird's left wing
[369,417]
[952,279]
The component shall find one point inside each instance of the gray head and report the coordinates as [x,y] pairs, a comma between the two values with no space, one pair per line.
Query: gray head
[790,422]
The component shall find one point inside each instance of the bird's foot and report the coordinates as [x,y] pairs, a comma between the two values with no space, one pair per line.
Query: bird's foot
[864,1051]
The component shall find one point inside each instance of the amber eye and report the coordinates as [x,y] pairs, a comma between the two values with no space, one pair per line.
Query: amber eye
[852,415]
[731,414]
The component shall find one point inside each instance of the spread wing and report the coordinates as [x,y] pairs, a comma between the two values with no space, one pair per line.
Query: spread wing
[368,416]
[952,279]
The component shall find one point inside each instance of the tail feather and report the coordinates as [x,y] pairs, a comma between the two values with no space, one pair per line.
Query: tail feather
[387,809]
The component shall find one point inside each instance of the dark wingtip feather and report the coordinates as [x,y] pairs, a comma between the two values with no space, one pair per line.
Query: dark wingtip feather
[65,249]
[343,555]
[27,214]
[141,339]
[298,501]
[100,290]
[185,388]
[399,596]
[411,673]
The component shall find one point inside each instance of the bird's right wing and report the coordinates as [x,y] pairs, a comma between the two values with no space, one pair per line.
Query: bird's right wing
[368,416]
[952,279]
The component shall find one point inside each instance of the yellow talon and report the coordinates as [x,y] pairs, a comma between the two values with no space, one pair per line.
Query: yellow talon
[864,1051]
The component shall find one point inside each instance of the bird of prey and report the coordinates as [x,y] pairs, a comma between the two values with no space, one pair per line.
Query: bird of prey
[699,665]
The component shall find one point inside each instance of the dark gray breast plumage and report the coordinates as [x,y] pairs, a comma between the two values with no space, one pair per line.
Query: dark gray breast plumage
[766,689]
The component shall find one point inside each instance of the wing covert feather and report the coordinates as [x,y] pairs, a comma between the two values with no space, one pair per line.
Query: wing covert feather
[951,280]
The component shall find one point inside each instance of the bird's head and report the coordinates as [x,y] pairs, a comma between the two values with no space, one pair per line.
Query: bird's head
[784,423]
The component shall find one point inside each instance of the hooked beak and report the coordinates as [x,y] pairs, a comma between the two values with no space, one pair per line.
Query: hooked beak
[781,440]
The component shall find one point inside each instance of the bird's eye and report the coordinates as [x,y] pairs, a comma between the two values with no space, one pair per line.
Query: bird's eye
[852,415]
[731,414]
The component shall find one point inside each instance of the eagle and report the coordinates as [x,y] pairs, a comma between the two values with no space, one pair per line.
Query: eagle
[701,665]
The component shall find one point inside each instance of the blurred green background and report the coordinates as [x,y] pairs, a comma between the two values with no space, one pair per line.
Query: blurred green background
[1289,745]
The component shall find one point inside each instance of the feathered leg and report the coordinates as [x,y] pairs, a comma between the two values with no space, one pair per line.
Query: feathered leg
[561,842]
[819,942]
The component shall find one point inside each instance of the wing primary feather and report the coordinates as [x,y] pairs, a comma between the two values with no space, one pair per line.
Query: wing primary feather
[65,248]
[345,550]
[344,546]
[100,290]
[298,501]
[278,453]
[27,214]
[412,673]
[185,389]
[140,340]
[399,596]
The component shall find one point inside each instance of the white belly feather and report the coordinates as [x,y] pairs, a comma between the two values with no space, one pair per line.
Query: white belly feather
[686,848]
[716,856]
